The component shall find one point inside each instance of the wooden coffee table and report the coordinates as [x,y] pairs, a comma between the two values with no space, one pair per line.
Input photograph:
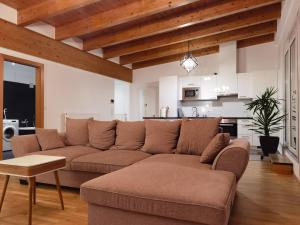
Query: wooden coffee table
[29,167]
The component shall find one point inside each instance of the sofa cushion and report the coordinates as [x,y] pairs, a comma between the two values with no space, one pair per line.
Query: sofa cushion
[77,131]
[107,161]
[161,136]
[130,135]
[102,133]
[215,146]
[191,161]
[49,139]
[161,189]
[70,152]
[195,135]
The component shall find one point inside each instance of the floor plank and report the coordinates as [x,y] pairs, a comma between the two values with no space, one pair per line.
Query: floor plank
[263,198]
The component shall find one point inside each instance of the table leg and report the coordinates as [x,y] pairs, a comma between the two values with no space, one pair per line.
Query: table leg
[4,190]
[30,191]
[34,191]
[59,190]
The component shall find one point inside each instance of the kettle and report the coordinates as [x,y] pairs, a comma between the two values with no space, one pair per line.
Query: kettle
[164,111]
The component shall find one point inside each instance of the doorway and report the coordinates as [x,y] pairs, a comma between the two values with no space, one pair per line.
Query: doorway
[22,100]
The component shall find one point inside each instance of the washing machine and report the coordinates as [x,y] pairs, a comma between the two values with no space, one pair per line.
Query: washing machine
[10,129]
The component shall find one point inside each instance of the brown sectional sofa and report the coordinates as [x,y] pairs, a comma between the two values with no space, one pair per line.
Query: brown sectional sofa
[141,188]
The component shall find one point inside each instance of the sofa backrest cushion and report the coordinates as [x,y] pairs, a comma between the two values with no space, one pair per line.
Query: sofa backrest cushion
[215,146]
[196,134]
[130,135]
[102,134]
[161,136]
[49,139]
[77,132]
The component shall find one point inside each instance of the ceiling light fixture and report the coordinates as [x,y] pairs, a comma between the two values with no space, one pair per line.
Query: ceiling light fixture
[189,62]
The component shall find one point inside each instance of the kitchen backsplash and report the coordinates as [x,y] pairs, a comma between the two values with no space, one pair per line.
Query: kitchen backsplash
[225,106]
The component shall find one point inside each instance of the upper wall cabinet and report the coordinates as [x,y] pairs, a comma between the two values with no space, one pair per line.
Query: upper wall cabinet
[245,85]
[190,81]
[208,88]
[255,83]
[207,85]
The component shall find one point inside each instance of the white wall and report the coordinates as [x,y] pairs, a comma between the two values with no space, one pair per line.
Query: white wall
[71,90]
[287,25]
[258,57]
[67,89]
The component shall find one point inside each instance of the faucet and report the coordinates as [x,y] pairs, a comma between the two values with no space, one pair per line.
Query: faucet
[4,112]
[195,112]
[25,122]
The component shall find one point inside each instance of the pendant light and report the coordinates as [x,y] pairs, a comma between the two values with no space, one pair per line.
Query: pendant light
[189,62]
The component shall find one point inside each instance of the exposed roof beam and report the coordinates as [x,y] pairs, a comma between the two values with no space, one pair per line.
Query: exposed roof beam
[235,35]
[129,12]
[201,52]
[172,58]
[256,40]
[256,16]
[211,11]
[26,41]
[49,8]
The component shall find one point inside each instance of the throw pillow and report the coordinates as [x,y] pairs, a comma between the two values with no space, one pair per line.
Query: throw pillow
[102,134]
[196,134]
[49,139]
[216,145]
[77,132]
[130,135]
[161,136]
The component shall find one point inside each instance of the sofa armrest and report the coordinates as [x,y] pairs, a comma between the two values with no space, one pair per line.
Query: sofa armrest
[234,158]
[25,144]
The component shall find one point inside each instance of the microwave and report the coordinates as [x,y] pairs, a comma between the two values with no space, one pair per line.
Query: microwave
[191,93]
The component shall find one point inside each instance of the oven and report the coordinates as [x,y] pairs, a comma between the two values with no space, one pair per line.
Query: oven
[229,126]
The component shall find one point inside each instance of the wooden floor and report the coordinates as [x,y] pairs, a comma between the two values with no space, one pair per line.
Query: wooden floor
[264,198]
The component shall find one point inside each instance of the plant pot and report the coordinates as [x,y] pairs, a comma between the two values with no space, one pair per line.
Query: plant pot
[269,144]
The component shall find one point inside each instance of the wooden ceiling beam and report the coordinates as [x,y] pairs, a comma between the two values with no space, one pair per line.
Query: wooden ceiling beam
[49,8]
[193,16]
[235,35]
[252,17]
[256,40]
[201,52]
[26,41]
[172,58]
[132,11]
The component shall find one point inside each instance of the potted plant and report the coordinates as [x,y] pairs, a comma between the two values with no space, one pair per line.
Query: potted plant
[267,119]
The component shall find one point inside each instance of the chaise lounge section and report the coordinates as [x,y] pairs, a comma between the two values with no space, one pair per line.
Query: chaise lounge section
[161,173]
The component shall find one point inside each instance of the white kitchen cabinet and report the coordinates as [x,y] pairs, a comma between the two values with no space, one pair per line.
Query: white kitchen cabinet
[227,77]
[244,126]
[208,86]
[243,130]
[245,85]
[190,81]
[255,139]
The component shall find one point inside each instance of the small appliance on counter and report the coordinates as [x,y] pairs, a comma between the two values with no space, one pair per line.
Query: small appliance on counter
[191,93]
[164,111]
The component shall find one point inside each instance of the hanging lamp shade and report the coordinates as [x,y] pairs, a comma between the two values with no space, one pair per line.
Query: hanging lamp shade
[189,62]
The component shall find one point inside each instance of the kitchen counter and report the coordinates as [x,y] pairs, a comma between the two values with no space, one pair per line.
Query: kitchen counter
[26,128]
